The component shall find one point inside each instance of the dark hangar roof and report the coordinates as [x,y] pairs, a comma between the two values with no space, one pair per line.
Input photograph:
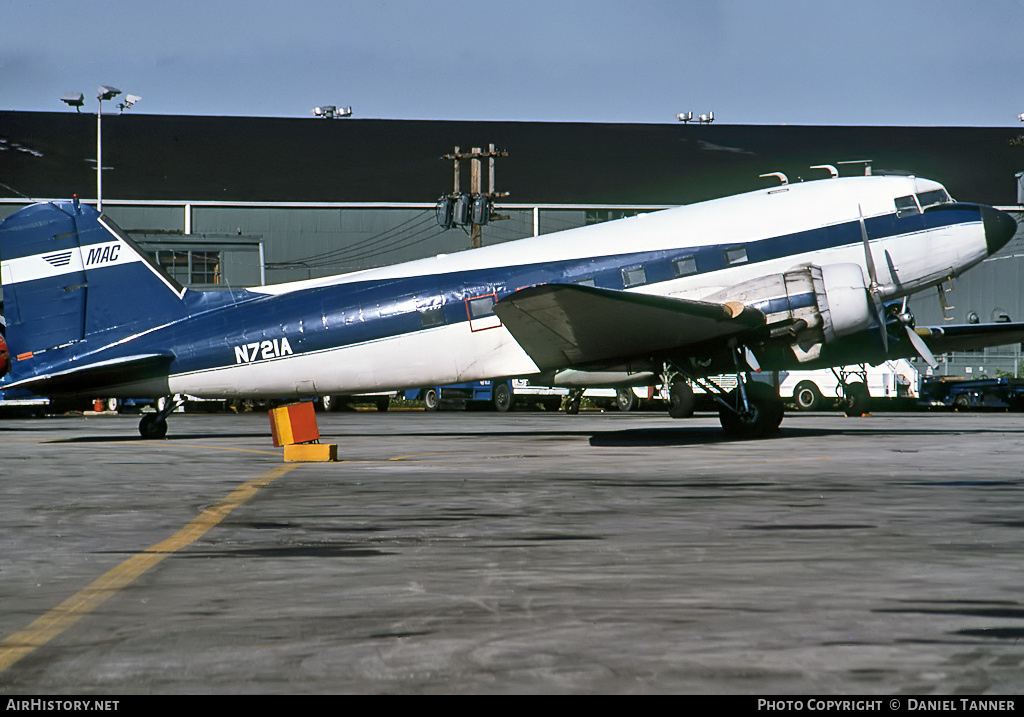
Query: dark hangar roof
[45,155]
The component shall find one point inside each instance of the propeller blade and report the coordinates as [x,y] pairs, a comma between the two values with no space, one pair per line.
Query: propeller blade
[867,250]
[922,348]
[880,313]
[873,275]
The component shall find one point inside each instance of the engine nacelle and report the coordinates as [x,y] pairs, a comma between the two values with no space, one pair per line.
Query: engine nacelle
[808,305]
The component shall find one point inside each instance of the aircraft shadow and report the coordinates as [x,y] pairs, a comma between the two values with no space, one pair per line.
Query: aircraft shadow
[654,437]
[710,435]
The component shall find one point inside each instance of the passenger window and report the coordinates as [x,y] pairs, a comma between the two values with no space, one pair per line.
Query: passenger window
[634,276]
[684,266]
[906,206]
[930,199]
[736,255]
[431,316]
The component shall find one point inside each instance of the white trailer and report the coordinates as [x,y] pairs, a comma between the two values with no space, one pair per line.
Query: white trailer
[815,390]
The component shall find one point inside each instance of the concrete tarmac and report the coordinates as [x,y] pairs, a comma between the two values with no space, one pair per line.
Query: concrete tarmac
[471,552]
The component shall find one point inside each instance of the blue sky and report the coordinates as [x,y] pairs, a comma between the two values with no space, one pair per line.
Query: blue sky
[870,62]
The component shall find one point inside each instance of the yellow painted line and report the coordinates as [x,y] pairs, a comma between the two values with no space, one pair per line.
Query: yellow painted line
[56,621]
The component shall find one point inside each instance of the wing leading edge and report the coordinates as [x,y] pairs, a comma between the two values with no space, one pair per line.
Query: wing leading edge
[575,326]
[968,337]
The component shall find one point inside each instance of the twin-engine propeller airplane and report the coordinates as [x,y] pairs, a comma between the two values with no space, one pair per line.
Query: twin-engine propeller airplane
[801,275]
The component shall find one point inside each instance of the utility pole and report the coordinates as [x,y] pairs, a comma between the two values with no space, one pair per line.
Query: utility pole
[475,208]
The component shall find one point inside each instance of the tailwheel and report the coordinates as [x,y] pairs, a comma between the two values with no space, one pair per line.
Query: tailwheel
[153,426]
[762,415]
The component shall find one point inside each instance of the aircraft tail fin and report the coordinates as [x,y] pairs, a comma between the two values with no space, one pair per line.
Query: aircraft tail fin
[70,275]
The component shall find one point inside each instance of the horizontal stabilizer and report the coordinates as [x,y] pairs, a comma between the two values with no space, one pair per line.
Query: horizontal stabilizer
[102,374]
[967,337]
[575,326]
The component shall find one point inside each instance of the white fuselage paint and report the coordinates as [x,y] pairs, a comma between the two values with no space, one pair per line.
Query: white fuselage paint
[455,353]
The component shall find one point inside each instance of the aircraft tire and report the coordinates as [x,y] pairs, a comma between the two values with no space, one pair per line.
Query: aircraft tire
[383,403]
[501,398]
[625,399]
[765,416]
[151,427]
[807,397]
[431,401]
[682,402]
[858,399]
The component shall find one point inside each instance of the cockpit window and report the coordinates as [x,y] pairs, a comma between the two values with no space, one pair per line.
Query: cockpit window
[906,206]
[930,199]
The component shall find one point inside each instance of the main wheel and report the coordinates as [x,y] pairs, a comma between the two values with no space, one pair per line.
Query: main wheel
[807,397]
[501,398]
[151,426]
[431,401]
[383,403]
[858,399]
[682,402]
[762,417]
[625,399]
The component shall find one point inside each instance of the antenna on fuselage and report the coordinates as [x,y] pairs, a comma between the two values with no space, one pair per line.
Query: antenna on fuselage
[831,170]
[783,179]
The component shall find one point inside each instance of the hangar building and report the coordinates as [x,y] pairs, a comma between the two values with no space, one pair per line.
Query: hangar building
[231,201]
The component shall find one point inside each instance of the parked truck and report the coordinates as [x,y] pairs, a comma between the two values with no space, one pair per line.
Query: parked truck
[824,388]
[962,394]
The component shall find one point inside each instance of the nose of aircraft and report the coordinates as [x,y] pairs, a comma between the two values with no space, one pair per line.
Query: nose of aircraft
[999,228]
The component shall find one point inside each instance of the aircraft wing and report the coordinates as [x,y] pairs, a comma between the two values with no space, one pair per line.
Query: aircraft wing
[966,337]
[575,326]
[100,374]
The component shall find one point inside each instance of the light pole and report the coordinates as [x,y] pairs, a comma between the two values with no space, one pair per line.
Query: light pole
[76,100]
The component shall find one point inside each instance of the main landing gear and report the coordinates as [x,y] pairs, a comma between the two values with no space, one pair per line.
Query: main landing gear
[856,397]
[751,410]
[154,425]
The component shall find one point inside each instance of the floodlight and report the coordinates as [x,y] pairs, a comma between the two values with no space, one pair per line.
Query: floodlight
[332,112]
[129,100]
[107,93]
[74,99]
[684,116]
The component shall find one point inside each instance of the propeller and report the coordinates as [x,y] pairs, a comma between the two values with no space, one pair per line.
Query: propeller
[904,317]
